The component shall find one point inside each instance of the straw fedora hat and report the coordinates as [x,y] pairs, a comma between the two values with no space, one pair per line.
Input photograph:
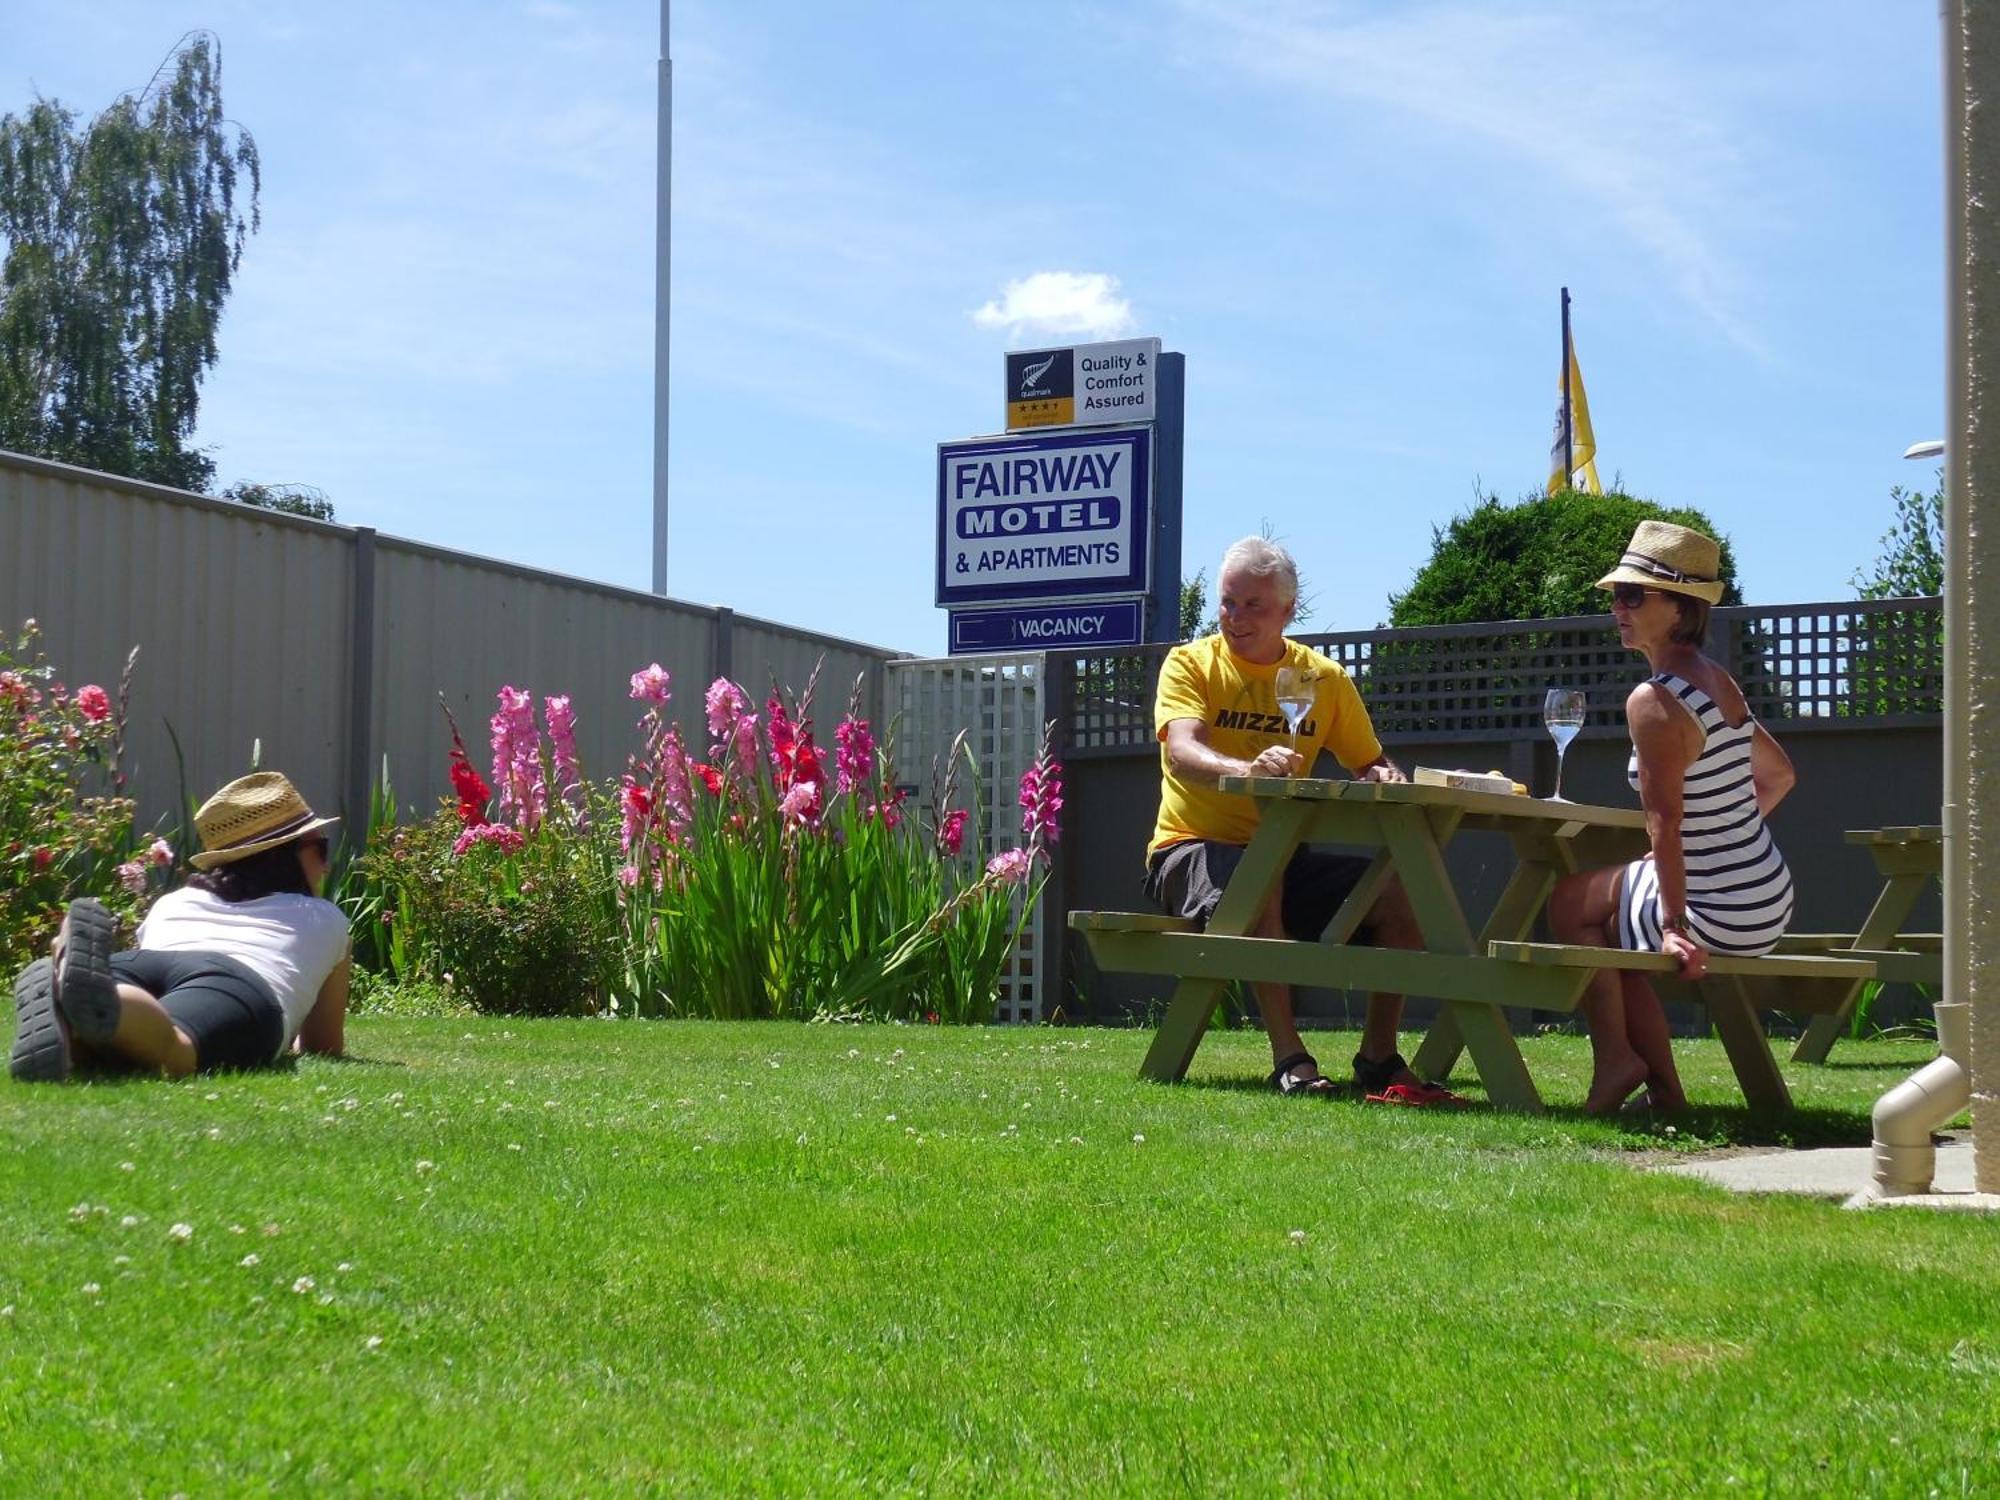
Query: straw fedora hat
[253,813]
[1676,559]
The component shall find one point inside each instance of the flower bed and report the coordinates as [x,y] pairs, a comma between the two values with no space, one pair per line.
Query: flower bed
[757,877]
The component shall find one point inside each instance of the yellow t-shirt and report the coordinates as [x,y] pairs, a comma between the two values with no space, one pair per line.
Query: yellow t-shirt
[1203,679]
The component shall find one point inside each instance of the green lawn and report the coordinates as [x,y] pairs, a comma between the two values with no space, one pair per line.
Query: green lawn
[573,1257]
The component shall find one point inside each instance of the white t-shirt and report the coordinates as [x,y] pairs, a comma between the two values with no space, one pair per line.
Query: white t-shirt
[290,942]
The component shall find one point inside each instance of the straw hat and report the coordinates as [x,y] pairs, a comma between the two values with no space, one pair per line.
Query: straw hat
[1676,559]
[253,813]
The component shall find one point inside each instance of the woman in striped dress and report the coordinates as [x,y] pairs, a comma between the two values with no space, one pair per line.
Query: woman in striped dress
[1708,774]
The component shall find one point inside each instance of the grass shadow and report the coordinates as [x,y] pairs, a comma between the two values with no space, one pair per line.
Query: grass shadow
[1738,1125]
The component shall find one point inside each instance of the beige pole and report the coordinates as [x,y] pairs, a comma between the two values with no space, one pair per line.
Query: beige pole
[1972,556]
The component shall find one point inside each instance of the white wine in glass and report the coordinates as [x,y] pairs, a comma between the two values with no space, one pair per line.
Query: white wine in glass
[1562,711]
[1296,687]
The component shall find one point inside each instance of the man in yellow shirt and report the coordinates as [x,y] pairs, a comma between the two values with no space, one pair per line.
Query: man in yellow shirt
[1216,714]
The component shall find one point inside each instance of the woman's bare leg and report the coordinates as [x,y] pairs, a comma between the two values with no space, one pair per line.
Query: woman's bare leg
[1581,911]
[147,1035]
[1646,1029]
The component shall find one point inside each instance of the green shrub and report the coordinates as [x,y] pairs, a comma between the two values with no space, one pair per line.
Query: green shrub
[522,931]
[1539,559]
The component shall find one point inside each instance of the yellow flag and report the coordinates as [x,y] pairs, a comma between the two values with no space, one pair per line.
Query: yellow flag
[1583,443]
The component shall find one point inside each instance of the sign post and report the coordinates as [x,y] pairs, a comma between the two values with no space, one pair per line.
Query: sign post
[1066,531]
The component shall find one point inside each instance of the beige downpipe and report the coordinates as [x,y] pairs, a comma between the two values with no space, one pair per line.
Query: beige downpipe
[1905,1159]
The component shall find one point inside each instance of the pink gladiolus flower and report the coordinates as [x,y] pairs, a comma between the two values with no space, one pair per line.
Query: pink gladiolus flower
[562,737]
[743,748]
[854,755]
[517,758]
[160,852]
[801,802]
[670,784]
[1041,801]
[726,704]
[628,876]
[1010,866]
[93,703]
[654,685]
[499,835]
[132,875]
[951,832]
[889,809]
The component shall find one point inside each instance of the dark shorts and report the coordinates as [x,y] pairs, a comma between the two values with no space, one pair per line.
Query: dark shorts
[1186,880]
[228,1011]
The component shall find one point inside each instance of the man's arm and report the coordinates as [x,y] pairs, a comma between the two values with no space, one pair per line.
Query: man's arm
[1192,758]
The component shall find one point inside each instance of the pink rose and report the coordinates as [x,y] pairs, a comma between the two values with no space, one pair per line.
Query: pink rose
[93,703]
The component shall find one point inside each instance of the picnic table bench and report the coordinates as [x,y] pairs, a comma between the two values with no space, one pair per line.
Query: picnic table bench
[1907,858]
[1475,975]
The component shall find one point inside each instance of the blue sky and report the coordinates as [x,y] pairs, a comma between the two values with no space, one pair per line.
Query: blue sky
[1352,218]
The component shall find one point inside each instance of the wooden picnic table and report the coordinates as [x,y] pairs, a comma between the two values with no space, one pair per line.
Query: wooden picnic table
[1473,974]
[1907,858]
[1409,827]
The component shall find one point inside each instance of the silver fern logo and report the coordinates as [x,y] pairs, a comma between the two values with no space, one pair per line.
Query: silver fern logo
[1031,377]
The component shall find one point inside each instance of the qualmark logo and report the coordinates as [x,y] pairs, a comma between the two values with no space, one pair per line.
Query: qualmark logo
[1031,378]
[1041,388]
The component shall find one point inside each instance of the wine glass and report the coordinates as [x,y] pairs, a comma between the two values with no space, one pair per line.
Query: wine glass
[1562,711]
[1296,688]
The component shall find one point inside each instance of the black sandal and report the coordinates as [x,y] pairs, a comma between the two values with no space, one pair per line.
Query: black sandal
[1284,1083]
[1372,1076]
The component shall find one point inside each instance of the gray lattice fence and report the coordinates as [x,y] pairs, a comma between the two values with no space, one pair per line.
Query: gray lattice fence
[1879,660]
[999,703]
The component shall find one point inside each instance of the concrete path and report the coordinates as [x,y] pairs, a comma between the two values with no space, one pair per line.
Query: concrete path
[1840,1172]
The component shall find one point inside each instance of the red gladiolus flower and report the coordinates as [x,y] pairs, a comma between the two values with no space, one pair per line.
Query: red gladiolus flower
[951,832]
[784,738]
[44,858]
[473,792]
[710,777]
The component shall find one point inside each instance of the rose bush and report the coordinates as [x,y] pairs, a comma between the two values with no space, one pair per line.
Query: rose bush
[65,823]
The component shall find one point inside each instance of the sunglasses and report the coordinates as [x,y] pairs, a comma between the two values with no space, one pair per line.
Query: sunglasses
[1630,595]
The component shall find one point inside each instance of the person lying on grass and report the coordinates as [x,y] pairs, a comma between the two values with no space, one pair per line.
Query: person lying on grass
[242,966]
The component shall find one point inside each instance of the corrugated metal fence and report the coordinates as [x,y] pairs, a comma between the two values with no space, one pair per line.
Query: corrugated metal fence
[329,645]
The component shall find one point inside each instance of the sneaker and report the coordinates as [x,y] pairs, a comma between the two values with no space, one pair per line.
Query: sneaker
[41,1042]
[86,991]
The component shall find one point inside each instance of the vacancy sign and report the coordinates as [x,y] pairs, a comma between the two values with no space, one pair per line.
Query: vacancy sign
[1083,385]
[1059,515]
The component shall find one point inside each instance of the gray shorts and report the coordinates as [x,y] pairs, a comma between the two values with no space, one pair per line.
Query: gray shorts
[1186,880]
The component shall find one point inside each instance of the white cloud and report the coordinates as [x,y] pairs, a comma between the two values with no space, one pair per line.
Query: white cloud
[1059,302]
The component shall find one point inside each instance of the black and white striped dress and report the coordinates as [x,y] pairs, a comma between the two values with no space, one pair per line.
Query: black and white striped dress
[1739,890]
